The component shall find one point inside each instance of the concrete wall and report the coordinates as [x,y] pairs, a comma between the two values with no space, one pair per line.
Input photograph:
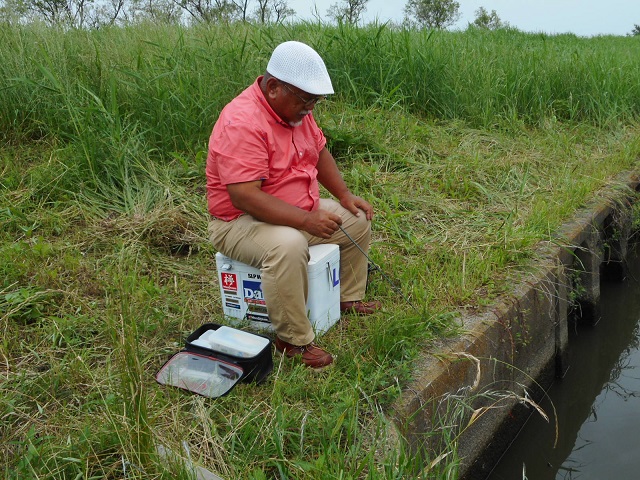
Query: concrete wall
[485,381]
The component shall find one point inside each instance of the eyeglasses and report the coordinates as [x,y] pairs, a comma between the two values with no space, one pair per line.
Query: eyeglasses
[308,102]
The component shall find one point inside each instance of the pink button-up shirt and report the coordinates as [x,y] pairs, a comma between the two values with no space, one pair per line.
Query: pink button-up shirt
[251,142]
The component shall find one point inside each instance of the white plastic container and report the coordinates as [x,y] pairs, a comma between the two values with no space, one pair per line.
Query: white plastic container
[242,296]
[233,342]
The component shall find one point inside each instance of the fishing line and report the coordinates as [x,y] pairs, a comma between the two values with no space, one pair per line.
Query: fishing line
[376,267]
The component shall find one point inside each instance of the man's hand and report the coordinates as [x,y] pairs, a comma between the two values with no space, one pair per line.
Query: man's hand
[250,198]
[321,223]
[355,204]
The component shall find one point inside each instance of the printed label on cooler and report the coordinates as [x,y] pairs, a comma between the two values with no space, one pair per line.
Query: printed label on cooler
[258,318]
[252,292]
[254,298]
[229,282]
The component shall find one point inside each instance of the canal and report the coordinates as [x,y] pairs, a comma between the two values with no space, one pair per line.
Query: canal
[595,432]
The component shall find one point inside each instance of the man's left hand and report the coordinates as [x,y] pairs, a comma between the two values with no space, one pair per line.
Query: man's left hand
[355,205]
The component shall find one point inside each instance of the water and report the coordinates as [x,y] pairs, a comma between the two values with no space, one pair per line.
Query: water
[597,403]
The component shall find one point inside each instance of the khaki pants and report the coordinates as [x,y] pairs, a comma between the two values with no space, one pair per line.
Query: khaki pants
[282,255]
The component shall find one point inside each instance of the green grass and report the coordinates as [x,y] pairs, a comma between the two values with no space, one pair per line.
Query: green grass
[473,147]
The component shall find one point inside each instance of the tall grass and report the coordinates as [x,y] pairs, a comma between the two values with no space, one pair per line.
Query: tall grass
[489,77]
[170,82]
[472,146]
[123,98]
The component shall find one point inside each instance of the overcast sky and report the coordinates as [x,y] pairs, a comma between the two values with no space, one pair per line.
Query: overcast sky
[582,17]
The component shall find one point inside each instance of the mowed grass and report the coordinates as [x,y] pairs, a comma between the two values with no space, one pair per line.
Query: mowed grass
[472,146]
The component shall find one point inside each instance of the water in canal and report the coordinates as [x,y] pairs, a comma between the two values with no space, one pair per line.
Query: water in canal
[597,403]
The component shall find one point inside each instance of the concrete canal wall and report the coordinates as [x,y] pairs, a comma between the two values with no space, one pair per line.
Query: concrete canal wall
[487,380]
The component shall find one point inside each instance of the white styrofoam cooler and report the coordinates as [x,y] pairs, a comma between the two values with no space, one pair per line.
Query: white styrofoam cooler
[242,297]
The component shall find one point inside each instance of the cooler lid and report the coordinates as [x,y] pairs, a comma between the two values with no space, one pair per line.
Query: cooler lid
[204,375]
[319,253]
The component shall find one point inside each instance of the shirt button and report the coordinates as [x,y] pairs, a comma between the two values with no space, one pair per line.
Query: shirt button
[300,153]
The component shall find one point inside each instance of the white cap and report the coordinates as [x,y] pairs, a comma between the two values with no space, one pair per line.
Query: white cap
[300,65]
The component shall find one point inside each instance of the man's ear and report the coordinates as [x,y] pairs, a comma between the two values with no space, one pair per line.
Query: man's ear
[273,87]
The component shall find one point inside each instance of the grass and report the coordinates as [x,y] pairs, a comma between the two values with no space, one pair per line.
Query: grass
[105,265]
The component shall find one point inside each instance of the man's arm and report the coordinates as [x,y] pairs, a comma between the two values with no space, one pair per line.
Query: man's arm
[329,176]
[249,197]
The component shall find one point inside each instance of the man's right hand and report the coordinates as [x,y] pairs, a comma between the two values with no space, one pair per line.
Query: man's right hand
[321,223]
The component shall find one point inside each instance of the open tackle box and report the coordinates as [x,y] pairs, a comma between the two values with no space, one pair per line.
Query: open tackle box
[216,358]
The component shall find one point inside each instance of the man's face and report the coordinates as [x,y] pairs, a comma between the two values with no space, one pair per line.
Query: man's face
[293,104]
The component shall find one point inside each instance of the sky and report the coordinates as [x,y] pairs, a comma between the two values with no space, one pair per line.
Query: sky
[581,17]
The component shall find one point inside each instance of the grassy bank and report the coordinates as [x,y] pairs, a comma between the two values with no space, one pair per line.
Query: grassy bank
[472,146]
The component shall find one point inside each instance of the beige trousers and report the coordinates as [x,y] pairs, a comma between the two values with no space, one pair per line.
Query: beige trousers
[282,255]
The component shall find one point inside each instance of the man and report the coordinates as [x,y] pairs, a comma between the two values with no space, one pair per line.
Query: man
[266,158]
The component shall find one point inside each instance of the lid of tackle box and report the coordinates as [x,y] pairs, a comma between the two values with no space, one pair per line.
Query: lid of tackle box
[202,374]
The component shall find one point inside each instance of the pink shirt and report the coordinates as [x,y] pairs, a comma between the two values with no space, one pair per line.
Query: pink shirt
[250,142]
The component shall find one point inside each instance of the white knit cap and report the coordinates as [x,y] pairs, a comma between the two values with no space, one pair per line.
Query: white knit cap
[300,65]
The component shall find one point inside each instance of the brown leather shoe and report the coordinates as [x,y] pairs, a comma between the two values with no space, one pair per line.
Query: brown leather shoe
[359,307]
[312,355]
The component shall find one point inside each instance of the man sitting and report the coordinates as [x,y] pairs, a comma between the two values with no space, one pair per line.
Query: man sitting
[266,160]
